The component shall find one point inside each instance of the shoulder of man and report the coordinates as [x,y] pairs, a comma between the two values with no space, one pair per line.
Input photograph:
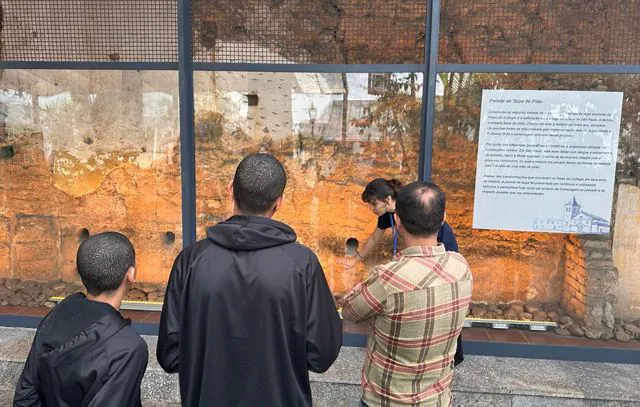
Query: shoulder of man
[300,252]
[300,255]
[195,249]
[129,340]
[390,274]
[457,264]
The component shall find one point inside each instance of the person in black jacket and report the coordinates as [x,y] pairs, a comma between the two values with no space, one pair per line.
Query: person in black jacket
[84,352]
[247,311]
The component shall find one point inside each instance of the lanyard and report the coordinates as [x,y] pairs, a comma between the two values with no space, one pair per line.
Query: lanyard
[395,236]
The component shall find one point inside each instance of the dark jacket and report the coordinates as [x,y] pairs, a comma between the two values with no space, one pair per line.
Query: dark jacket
[84,354]
[448,239]
[246,314]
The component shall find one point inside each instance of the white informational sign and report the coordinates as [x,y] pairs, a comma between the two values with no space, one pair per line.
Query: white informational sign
[547,160]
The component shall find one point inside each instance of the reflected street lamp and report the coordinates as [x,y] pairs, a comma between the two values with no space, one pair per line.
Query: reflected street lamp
[312,117]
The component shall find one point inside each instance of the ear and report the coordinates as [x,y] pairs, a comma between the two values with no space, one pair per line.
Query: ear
[397,220]
[130,277]
[231,202]
[278,204]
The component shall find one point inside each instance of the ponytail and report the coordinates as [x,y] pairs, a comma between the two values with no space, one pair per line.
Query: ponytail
[396,186]
[380,189]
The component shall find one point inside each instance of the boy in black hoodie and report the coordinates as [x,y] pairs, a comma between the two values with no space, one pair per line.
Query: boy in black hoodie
[84,352]
[248,311]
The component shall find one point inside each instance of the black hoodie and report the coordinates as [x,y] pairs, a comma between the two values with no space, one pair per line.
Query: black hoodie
[84,354]
[246,314]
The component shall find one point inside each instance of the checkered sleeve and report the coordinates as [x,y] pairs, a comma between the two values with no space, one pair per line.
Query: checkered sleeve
[366,299]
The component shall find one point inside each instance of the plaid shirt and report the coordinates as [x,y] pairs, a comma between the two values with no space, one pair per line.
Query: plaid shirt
[416,308]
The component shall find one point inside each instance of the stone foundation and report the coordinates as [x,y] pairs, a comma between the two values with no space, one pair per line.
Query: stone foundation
[590,280]
[518,311]
[19,293]
[626,239]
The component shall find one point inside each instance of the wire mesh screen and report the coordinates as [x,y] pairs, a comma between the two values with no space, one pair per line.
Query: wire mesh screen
[309,31]
[540,31]
[89,30]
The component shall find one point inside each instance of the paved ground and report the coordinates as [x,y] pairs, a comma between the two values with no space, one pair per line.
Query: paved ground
[6,397]
[481,381]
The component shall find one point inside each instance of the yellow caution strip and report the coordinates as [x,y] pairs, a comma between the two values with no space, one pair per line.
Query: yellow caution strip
[129,304]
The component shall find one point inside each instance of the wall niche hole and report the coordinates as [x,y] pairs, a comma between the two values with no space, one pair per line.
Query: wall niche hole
[351,246]
[252,100]
[168,238]
[7,152]
[83,234]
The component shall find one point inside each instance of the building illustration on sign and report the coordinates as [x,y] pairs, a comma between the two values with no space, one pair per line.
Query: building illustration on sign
[575,221]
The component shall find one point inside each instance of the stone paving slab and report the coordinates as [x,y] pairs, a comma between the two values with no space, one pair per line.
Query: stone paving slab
[549,378]
[6,400]
[479,381]
[537,401]
[6,397]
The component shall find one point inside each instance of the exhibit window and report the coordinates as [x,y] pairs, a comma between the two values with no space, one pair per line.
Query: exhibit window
[82,152]
[333,132]
[541,174]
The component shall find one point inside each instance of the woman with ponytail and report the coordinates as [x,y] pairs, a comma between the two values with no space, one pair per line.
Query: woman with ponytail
[381,194]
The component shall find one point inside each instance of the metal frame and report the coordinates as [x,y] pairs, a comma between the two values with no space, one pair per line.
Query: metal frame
[540,68]
[314,68]
[429,92]
[430,69]
[187,117]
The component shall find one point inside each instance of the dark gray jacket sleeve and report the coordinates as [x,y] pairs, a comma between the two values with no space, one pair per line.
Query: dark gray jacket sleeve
[324,327]
[27,394]
[167,350]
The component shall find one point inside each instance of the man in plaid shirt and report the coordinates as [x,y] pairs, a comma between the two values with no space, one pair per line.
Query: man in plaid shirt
[415,307]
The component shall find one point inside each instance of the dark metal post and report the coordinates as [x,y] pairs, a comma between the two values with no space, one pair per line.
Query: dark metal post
[187,138]
[429,91]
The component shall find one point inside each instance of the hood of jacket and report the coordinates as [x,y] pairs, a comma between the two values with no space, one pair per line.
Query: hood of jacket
[246,233]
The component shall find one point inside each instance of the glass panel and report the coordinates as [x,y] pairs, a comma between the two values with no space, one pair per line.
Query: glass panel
[575,32]
[542,276]
[317,31]
[83,152]
[333,132]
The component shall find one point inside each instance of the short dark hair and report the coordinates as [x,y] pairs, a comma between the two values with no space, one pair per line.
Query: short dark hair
[103,261]
[259,181]
[420,206]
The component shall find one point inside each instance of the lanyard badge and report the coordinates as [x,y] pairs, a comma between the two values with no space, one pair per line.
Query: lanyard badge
[395,237]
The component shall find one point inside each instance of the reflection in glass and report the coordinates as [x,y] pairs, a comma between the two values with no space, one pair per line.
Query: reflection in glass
[84,152]
[536,275]
[333,132]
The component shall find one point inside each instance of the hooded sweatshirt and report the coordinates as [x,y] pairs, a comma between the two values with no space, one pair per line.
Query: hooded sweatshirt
[84,354]
[247,313]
